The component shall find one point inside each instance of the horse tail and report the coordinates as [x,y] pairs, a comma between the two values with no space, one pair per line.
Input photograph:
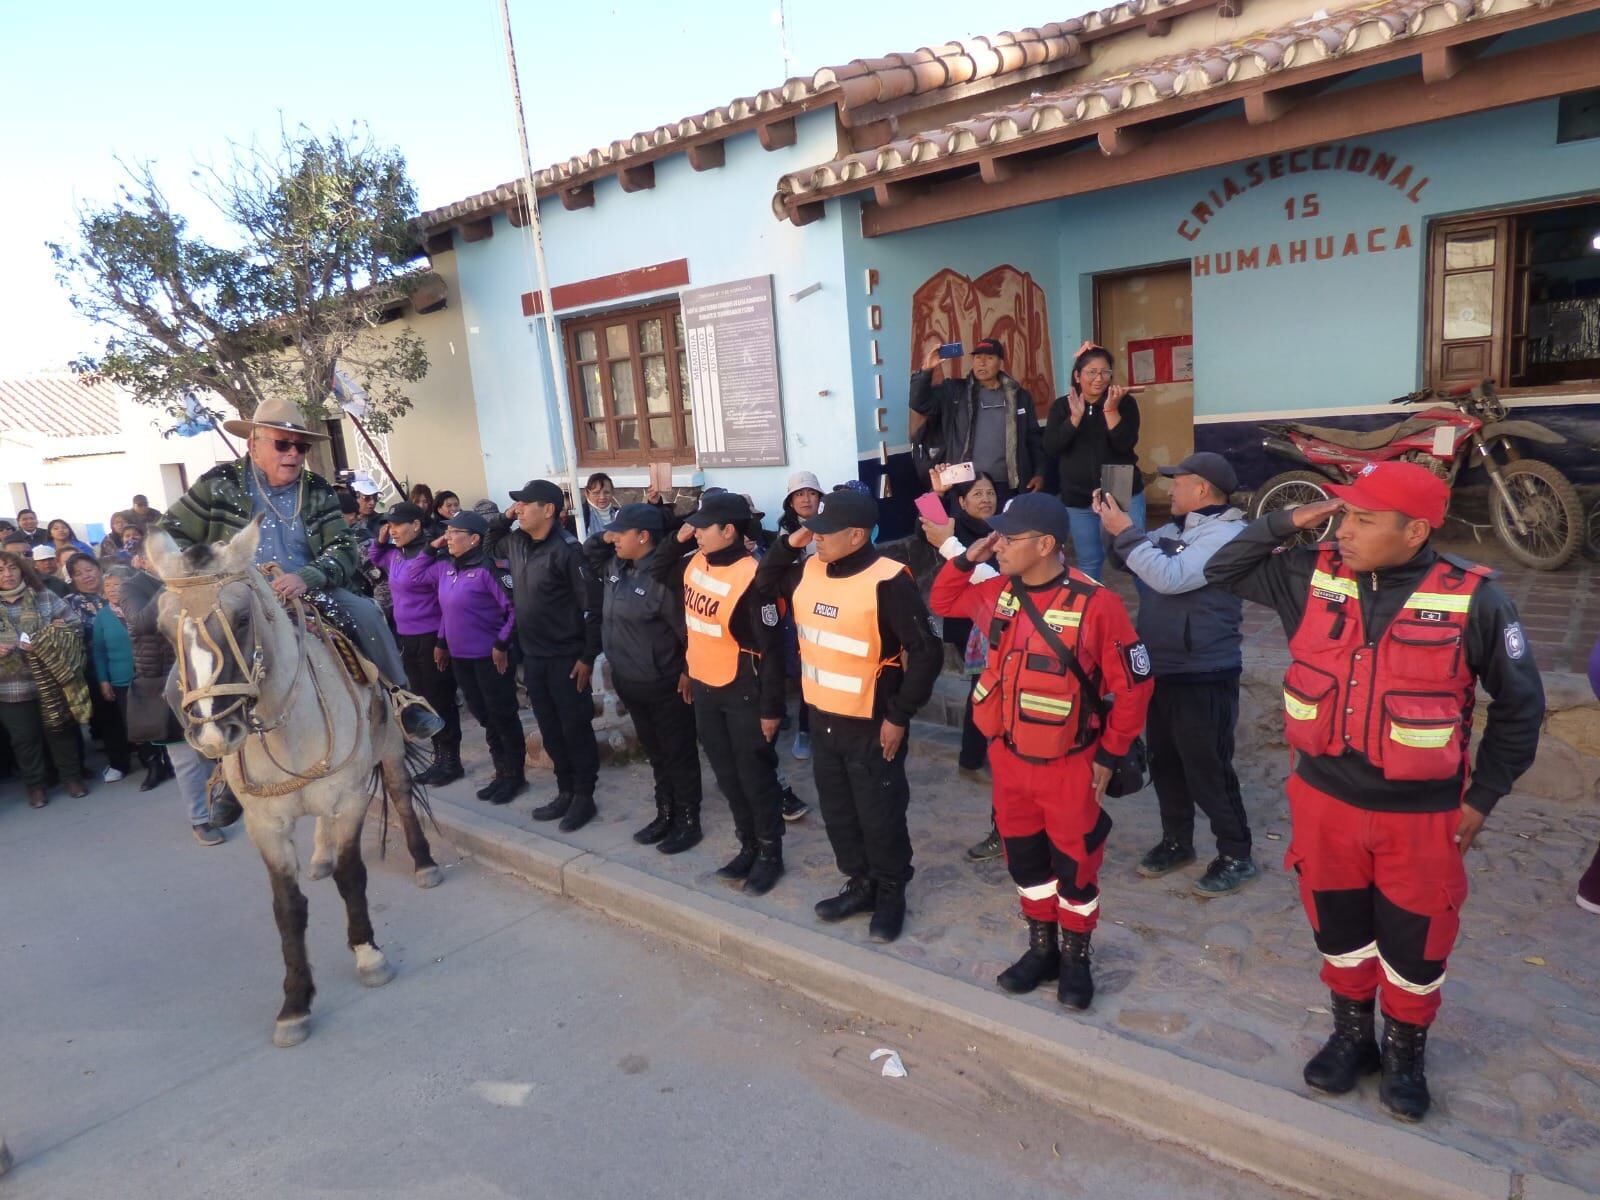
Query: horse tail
[407,795]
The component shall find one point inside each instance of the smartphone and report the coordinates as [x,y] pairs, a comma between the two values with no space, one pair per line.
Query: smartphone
[1116,480]
[953,473]
[951,350]
[930,508]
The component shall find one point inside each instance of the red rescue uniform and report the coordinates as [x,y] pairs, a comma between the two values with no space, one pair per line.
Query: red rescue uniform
[1046,734]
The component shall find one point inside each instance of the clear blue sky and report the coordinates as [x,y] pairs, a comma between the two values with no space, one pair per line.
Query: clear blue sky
[82,84]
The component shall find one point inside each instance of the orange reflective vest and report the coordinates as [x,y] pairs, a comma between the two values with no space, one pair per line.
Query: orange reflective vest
[841,651]
[1402,702]
[1026,694]
[710,595]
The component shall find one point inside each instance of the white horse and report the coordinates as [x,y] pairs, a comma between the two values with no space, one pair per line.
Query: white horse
[296,736]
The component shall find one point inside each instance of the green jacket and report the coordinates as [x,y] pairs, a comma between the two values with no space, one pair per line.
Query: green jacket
[218,506]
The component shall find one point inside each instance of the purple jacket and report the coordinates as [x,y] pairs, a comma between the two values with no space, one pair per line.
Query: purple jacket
[413,584]
[475,611]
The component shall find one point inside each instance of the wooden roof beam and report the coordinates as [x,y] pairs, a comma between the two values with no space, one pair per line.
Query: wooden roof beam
[439,243]
[582,196]
[805,214]
[1123,139]
[640,178]
[1440,63]
[777,135]
[997,168]
[708,156]
[1270,104]
[480,230]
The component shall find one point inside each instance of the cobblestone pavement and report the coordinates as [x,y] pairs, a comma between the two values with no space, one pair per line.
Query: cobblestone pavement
[1514,1060]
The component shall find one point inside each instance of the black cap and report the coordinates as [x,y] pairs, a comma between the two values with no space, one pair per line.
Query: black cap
[638,516]
[404,513]
[1033,512]
[989,346]
[1213,468]
[847,509]
[468,520]
[722,508]
[540,491]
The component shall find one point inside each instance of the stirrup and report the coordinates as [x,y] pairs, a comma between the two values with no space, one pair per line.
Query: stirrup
[400,699]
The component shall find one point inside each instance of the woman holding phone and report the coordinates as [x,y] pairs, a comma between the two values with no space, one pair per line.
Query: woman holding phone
[1095,425]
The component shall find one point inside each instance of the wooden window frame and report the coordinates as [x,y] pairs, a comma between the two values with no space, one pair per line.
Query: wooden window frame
[1508,330]
[680,410]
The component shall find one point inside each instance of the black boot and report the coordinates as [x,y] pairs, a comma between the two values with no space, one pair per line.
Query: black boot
[658,829]
[858,895]
[1076,987]
[1349,1053]
[685,833]
[225,806]
[488,790]
[579,813]
[1041,962]
[738,867]
[1404,1090]
[556,808]
[889,916]
[506,789]
[158,769]
[767,869]
[445,768]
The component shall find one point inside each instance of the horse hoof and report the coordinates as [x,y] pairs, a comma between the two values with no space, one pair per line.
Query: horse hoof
[291,1032]
[372,968]
[319,869]
[428,877]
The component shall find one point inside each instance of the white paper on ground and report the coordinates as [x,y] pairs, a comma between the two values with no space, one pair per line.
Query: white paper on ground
[893,1068]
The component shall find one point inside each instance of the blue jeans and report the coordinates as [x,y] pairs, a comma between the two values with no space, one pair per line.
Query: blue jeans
[1088,538]
[193,770]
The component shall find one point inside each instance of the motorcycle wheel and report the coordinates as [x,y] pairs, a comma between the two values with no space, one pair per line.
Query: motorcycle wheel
[1290,490]
[1549,506]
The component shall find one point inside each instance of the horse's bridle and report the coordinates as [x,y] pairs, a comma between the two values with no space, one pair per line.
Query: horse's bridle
[251,666]
[245,695]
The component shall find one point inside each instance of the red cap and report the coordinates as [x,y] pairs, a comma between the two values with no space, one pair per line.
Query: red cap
[1400,487]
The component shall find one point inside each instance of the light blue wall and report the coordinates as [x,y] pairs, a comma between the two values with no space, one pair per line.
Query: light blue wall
[720,221]
[1338,334]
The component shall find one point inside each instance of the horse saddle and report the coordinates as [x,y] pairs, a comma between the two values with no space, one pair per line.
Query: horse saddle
[326,620]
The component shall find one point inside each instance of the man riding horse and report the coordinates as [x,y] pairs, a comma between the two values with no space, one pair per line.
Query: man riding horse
[303,533]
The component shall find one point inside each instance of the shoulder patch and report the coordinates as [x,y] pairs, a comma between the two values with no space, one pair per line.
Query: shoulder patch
[1137,656]
[1516,642]
[769,615]
[1467,565]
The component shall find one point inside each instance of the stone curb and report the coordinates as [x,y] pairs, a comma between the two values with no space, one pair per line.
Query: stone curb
[1286,1138]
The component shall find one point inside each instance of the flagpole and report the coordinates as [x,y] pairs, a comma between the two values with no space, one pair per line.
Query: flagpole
[531,201]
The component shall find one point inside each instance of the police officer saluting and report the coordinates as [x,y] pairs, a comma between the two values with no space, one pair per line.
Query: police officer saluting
[735,661]
[1389,640]
[644,638]
[1062,698]
[558,627]
[868,662]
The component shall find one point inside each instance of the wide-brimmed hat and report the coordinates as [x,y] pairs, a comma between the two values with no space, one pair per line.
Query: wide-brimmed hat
[274,414]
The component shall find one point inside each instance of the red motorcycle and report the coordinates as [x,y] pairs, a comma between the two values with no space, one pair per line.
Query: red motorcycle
[1533,508]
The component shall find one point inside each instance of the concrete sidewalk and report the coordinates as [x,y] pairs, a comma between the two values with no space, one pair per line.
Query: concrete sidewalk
[1205,1012]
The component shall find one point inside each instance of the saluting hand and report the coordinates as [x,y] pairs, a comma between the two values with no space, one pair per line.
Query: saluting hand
[685,532]
[1309,516]
[801,538]
[982,550]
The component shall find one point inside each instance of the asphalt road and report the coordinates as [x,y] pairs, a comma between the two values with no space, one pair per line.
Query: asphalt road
[527,1048]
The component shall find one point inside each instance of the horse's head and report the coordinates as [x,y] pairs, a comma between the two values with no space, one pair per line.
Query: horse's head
[215,611]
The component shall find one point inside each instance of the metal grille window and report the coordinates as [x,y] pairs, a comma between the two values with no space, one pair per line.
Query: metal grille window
[630,400]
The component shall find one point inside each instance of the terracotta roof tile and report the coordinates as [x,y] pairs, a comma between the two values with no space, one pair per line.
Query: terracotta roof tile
[861,81]
[59,404]
[1310,40]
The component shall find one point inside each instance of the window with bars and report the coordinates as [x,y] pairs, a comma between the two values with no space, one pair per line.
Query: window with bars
[1515,297]
[630,394]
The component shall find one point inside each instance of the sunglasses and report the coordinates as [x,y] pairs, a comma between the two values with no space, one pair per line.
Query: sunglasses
[284,445]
